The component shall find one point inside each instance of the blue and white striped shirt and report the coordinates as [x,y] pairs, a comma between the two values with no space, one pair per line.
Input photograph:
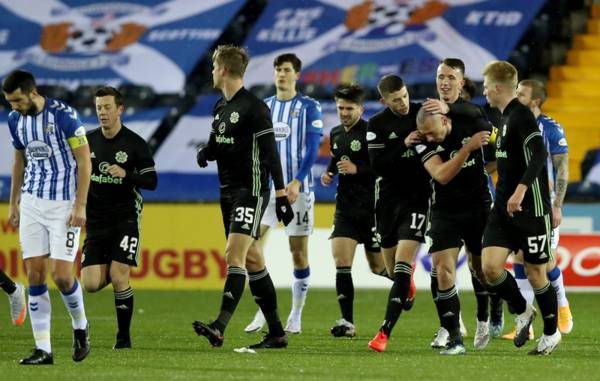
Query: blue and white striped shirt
[293,121]
[51,171]
[555,141]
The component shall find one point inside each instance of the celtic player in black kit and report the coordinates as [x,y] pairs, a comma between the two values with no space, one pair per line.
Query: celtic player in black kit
[242,142]
[461,198]
[453,223]
[520,219]
[402,196]
[122,164]
[354,219]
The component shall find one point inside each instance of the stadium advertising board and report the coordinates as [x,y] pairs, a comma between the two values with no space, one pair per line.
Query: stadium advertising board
[87,42]
[183,248]
[359,40]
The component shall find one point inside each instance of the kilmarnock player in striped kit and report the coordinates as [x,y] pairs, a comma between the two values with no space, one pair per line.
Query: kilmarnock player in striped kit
[298,129]
[50,180]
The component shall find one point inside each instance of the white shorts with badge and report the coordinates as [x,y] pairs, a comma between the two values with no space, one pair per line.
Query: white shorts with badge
[43,228]
[304,215]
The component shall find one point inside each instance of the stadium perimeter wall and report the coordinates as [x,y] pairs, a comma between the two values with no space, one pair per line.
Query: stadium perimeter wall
[183,248]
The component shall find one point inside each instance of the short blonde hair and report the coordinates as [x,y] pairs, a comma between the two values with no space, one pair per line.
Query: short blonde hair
[233,58]
[501,72]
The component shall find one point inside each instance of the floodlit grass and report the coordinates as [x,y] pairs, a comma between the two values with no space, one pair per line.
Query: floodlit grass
[166,348]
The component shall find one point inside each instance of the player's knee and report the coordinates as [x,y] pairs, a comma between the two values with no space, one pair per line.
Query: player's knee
[445,272]
[90,286]
[36,276]
[120,284]
[64,282]
[491,272]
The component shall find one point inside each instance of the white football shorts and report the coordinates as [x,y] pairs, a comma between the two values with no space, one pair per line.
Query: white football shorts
[44,229]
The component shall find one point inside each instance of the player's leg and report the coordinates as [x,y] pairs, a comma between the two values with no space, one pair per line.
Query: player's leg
[444,234]
[256,251]
[343,249]
[521,277]
[565,318]
[64,242]
[263,290]
[255,262]
[536,236]
[95,277]
[298,231]
[448,300]
[502,283]
[95,259]
[500,238]
[242,213]
[375,262]
[35,249]
[16,298]
[399,292]
[124,302]
[473,226]
[300,284]
[525,289]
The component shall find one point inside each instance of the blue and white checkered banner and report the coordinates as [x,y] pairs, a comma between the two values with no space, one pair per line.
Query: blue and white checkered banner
[361,40]
[144,42]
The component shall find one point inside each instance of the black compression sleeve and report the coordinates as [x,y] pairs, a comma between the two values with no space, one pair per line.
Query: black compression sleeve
[266,144]
[146,180]
[332,167]
[537,161]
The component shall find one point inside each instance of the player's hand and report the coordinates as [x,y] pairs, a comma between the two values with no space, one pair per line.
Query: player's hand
[346,167]
[292,190]
[13,215]
[435,106]
[326,178]
[201,156]
[283,210]
[514,202]
[556,217]
[78,217]
[413,139]
[480,139]
[115,171]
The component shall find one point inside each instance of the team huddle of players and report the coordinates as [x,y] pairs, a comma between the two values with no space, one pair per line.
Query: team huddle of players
[413,174]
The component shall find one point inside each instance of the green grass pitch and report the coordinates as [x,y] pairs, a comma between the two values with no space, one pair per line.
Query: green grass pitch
[166,348]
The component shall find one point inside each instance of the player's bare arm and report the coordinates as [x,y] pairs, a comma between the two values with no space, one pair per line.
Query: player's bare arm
[444,172]
[293,189]
[561,164]
[84,171]
[15,189]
